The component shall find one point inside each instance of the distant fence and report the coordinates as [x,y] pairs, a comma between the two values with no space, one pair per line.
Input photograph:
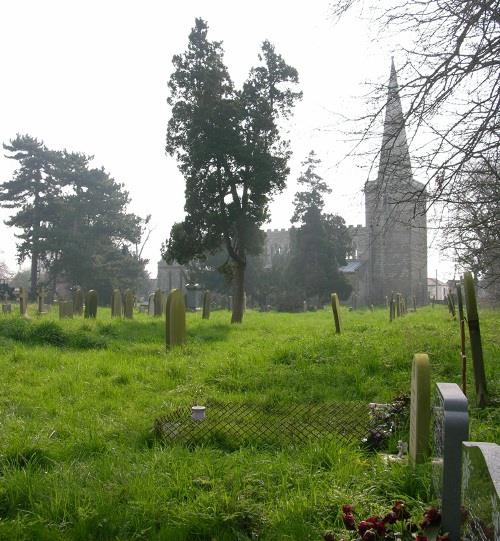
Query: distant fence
[250,424]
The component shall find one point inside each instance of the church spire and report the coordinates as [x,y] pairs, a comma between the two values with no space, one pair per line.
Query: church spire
[395,166]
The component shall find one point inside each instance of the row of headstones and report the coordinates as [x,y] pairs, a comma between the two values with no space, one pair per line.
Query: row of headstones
[157,303]
[464,474]
[398,305]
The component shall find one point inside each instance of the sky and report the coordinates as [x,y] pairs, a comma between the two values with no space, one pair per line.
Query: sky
[91,76]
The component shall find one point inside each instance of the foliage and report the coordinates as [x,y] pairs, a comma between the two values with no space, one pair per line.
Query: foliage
[396,524]
[452,83]
[319,246]
[228,146]
[472,230]
[90,412]
[73,218]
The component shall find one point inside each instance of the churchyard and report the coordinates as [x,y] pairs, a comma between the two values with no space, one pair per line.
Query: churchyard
[79,399]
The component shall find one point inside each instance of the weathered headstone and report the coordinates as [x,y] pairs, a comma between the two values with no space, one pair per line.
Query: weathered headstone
[91,304]
[244,302]
[23,301]
[78,301]
[158,303]
[481,491]
[414,303]
[206,305]
[6,308]
[450,429]
[398,305]
[392,308]
[461,319]
[151,304]
[175,319]
[475,340]
[420,408]
[116,303]
[40,297]
[336,312]
[128,304]
[194,296]
[65,309]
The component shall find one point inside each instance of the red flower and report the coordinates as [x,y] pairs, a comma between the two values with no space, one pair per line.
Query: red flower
[348,509]
[390,518]
[432,517]
[421,538]
[399,509]
[349,521]
[364,526]
[369,535]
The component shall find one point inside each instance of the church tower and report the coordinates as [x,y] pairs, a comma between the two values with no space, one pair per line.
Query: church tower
[395,214]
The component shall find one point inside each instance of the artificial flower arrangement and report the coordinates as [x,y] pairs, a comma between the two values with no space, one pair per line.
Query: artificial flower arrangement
[396,525]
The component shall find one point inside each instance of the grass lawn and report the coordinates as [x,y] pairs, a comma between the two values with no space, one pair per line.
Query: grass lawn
[77,455]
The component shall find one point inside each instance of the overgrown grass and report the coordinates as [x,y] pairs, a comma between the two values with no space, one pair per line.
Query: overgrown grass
[77,456]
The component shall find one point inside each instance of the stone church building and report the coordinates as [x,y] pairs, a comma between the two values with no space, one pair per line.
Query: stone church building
[388,254]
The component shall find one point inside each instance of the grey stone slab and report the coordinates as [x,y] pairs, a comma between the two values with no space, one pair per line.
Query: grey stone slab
[481,491]
[450,429]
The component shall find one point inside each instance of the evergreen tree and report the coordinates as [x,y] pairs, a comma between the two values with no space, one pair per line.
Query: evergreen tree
[73,217]
[31,191]
[320,244]
[229,149]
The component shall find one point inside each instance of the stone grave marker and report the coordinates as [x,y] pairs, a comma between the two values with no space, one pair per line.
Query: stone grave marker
[116,303]
[128,304]
[206,305]
[23,301]
[481,491]
[78,301]
[40,298]
[6,308]
[450,429]
[158,303]
[175,318]
[336,313]
[65,309]
[151,304]
[420,408]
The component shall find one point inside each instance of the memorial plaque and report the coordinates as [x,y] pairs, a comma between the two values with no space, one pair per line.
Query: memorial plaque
[481,491]
[450,429]
[420,408]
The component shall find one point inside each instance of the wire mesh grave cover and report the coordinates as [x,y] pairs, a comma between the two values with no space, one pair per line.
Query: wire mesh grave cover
[245,424]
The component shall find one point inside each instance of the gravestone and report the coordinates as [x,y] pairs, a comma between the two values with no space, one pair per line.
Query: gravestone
[7,308]
[336,312]
[420,408]
[159,303]
[398,305]
[175,319]
[78,301]
[206,305]
[65,309]
[40,299]
[23,301]
[91,302]
[151,304]
[450,429]
[194,294]
[475,340]
[481,491]
[116,303]
[128,304]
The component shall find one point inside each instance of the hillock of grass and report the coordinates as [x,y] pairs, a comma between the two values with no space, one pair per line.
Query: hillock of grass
[49,333]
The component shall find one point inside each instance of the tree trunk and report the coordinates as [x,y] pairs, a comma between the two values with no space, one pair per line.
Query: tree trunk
[34,275]
[238,292]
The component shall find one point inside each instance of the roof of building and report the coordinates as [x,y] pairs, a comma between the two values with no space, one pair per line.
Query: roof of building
[432,282]
[351,266]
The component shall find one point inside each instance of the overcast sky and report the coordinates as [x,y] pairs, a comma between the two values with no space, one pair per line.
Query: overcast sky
[91,76]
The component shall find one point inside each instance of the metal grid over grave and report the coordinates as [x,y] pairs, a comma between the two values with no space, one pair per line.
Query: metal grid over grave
[240,424]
